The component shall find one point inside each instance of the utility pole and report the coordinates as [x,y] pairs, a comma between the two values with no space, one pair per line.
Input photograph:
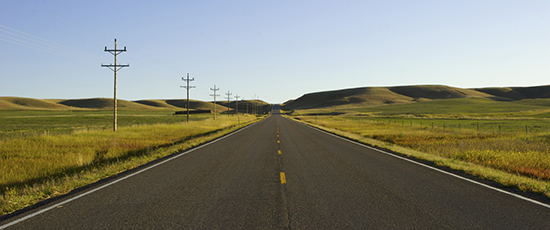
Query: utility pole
[237,104]
[254,106]
[228,98]
[115,68]
[246,106]
[214,95]
[188,88]
[237,108]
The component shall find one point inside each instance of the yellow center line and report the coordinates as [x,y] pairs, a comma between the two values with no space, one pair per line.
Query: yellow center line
[279,152]
[283,178]
[278,141]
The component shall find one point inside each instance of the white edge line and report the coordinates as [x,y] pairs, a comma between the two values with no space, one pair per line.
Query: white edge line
[432,168]
[118,180]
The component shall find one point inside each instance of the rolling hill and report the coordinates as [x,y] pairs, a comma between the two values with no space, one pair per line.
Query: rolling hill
[518,93]
[375,96]
[104,103]
[20,103]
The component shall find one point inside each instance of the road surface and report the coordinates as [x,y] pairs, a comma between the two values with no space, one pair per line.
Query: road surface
[280,174]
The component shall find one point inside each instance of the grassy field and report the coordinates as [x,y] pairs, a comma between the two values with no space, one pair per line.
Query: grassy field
[505,141]
[465,108]
[19,124]
[48,153]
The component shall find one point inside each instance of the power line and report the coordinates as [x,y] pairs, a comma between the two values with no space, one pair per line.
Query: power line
[68,21]
[24,39]
[61,18]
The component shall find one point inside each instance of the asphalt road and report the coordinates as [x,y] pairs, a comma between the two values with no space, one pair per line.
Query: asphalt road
[280,174]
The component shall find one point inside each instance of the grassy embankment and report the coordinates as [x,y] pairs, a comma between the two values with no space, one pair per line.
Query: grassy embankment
[48,153]
[508,142]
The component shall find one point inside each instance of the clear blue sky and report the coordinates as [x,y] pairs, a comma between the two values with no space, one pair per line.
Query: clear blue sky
[277,50]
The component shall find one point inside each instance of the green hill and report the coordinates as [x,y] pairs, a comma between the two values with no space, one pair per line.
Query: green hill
[359,96]
[518,93]
[194,104]
[156,103]
[250,106]
[104,103]
[375,96]
[437,92]
[20,103]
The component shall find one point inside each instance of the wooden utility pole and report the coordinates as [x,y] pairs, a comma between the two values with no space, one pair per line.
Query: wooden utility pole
[228,100]
[214,95]
[115,68]
[237,108]
[188,88]
[237,104]
[255,105]
[246,106]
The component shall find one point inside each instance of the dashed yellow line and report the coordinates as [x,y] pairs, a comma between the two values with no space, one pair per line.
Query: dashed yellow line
[279,152]
[278,141]
[283,178]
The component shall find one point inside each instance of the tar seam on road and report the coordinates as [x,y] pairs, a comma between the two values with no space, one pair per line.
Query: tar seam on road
[433,168]
[53,206]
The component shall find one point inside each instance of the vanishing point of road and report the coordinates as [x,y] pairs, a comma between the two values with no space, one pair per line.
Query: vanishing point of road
[281,174]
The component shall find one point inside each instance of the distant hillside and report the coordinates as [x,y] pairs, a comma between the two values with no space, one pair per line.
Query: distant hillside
[182,104]
[20,103]
[104,103]
[437,92]
[518,93]
[373,96]
[364,96]
[250,106]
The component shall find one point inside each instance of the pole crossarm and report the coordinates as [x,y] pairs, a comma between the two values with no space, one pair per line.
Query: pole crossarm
[115,67]
[228,96]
